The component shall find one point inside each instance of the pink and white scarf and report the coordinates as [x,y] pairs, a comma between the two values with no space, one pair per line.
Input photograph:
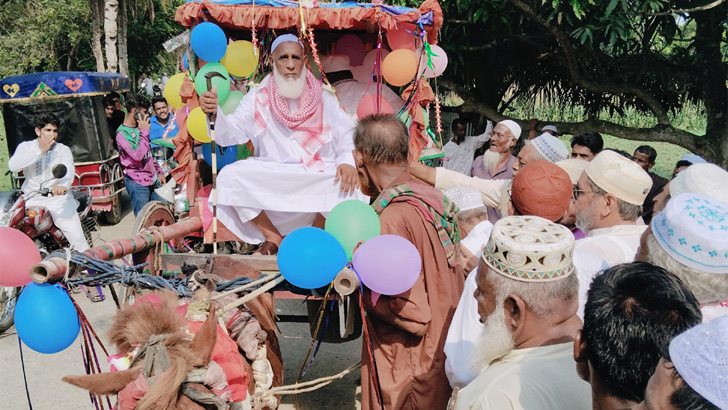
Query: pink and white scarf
[306,122]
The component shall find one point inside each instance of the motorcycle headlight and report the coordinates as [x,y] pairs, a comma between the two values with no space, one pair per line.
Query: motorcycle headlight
[5,218]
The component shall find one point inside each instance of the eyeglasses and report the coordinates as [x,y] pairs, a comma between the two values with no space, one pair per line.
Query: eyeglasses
[497,135]
[576,192]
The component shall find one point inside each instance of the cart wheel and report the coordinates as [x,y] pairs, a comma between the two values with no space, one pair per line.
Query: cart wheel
[113,216]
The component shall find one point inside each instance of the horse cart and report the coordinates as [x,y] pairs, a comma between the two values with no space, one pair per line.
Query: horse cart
[75,98]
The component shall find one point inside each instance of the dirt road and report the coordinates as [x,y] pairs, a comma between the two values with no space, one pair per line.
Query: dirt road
[44,372]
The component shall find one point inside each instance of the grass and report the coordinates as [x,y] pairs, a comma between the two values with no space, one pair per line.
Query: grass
[4,157]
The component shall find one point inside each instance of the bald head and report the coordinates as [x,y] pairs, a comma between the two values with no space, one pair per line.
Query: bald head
[382,139]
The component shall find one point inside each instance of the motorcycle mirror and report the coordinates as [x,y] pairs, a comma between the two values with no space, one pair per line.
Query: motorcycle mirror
[59,171]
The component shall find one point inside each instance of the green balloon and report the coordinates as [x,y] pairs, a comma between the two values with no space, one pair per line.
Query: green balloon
[232,102]
[352,222]
[222,84]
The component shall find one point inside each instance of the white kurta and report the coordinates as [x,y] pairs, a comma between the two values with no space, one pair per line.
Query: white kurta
[617,244]
[274,179]
[491,191]
[459,157]
[37,168]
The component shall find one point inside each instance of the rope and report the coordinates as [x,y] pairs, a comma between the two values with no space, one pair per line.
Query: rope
[25,378]
[306,386]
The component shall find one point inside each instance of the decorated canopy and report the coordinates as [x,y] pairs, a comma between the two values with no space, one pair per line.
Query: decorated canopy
[60,84]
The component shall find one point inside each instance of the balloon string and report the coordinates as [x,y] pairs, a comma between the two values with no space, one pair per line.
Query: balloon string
[25,378]
[370,349]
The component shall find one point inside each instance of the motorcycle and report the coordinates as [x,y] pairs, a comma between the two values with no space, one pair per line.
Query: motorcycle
[37,223]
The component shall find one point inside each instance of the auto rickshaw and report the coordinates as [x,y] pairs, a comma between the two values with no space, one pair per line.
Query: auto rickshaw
[75,98]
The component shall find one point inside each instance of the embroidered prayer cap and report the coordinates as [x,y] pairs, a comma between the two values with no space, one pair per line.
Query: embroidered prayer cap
[620,177]
[530,249]
[542,189]
[693,230]
[513,126]
[574,167]
[550,147]
[700,355]
[550,128]
[282,39]
[693,159]
[707,179]
[335,62]
[465,198]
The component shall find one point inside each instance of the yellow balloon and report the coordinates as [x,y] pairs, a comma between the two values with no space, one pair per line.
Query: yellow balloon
[171,90]
[197,125]
[239,58]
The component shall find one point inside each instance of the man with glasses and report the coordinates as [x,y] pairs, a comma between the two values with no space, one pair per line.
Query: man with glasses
[609,197]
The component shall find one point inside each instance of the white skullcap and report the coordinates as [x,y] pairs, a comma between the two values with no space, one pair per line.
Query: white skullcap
[335,62]
[620,177]
[465,198]
[550,128]
[700,355]
[707,179]
[513,126]
[574,167]
[282,39]
[693,159]
[550,147]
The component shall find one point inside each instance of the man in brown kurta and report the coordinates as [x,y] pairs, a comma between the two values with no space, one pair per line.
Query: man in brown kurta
[407,331]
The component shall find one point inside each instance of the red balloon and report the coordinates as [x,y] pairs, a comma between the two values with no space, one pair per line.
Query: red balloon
[368,106]
[18,254]
[402,37]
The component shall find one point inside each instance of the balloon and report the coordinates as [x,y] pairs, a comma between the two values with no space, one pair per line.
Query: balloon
[222,83]
[18,254]
[402,37]
[362,74]
[245,150]
[197,125]
[185,64]
[45,318]
[208,41]
[239,59]
[400,67]
[368,106]
[371,58]
[439,62]
[310,258]
[387,264]
[225,155]
[351,222]
[171,90]
[232,101]
[352,46]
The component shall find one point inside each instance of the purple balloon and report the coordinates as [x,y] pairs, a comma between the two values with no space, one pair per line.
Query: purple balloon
[352,46]
[388,264]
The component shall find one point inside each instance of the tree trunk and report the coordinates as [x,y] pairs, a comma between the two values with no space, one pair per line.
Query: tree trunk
[111,8]
[96,6]
[123,49]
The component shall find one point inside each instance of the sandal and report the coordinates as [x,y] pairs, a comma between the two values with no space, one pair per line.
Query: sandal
[267,248]
[94,294]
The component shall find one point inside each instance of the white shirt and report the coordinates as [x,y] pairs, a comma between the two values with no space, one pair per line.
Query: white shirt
[491,191]
[617,244]
[459,157]
[538,378]
[37,166]
[587,266]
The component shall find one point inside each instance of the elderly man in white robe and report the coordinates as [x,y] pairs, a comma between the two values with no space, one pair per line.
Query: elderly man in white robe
[303,164]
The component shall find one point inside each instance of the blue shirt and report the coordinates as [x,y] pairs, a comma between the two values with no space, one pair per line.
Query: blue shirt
[156,130]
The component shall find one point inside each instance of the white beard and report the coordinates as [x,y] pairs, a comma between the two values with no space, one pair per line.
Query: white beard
[490,160]
[585,219]
[291,88]
[496,340]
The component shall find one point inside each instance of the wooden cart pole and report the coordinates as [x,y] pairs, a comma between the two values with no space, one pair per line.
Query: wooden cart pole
[211,117]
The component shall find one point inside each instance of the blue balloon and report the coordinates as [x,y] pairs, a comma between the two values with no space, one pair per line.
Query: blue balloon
[310,258]
[208,41]
[185,64]
[225,155]
[45,318]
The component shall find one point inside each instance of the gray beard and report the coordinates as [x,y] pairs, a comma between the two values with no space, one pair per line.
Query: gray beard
[291,88]
[496,340]
[585,219]
[490,160]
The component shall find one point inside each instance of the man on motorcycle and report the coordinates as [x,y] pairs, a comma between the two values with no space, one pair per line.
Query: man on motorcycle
[36,159]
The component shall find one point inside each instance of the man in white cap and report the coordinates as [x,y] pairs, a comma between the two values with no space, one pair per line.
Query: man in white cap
[689,238]
[351,91]
[703,178]
[497,161]
[460,150]
[303,163]
[609,197]
[527,299]
[692,374]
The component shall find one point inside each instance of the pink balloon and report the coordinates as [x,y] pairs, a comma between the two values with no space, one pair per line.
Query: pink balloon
[368,106]
[402,37]
[18,254]
[362,74]
[352,46]
[371,58]
[388,264]
[439,62]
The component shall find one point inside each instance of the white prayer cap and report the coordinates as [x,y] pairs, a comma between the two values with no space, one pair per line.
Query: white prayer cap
[550,147]
[693,230]
[465,198]
[282,39]
[700,355]
[620,177]
[513,126]
[707,179]
[530,249]
[574,167]
[693,159]
[335,62]
[550,128]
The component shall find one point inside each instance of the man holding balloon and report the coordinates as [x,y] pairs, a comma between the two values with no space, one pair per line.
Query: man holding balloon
[404,364]
[303,164]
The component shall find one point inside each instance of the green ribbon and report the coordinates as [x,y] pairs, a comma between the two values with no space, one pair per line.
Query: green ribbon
[430,54]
